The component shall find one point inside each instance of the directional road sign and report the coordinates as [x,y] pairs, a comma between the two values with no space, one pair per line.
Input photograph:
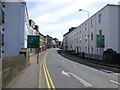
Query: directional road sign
[33,41]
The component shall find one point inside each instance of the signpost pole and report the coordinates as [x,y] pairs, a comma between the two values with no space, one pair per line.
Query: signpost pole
[38,55]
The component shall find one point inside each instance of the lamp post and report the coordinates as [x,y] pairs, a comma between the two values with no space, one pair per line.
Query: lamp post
[88,32]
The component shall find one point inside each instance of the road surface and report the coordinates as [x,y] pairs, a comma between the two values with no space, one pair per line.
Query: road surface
[61,72]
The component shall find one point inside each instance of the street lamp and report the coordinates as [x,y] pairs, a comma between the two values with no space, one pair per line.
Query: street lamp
[85,11]
[88,32]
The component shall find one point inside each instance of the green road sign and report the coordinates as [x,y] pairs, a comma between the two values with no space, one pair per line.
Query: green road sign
[100,41]
[33,41]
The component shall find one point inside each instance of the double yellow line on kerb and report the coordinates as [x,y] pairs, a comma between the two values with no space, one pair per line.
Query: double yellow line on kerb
[49,81]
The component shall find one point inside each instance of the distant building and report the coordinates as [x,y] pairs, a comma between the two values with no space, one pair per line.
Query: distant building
[14,27]
[57,42]
[49,40]
[32,27]
[42,42]
[87,36]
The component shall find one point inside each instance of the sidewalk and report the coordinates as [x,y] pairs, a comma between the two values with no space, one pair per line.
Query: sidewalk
[29,77]
[76,58]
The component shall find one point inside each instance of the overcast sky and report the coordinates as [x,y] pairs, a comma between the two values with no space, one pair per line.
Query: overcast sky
[55,17]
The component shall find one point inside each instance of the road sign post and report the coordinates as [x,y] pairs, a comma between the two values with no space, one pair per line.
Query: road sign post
[33,41]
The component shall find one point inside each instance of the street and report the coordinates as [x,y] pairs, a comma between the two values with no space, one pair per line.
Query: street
[65,73]
[56,71]
[67,44]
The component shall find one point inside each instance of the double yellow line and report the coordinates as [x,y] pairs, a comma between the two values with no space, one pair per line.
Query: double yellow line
[49,81]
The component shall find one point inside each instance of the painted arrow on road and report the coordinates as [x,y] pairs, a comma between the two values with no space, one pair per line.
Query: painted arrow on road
[86,84]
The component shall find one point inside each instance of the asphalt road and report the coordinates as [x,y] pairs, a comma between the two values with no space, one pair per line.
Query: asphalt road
[66,73]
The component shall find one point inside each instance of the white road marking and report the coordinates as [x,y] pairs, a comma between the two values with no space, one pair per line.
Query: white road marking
[74,65]
[81,80]
[65,73]
[116,73]
[86,84]
[115,82]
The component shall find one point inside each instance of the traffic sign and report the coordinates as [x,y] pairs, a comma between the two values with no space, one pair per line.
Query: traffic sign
[100,41]
[33,41]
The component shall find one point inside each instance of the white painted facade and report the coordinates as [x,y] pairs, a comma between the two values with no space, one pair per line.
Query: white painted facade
[16,28]
[119,3]
[104,22]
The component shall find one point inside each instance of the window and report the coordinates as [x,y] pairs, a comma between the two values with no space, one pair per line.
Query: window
[91,36]
[3,5]
[100,18]
[91,23]
[80,31]
[85,37]
[100,32]
[85,26]
[3,39]
[86,49]
[3,29]
[91,50]
[80,39]
[3,17]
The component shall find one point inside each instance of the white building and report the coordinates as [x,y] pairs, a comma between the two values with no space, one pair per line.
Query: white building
[119,3]
[14,24]
[105,23]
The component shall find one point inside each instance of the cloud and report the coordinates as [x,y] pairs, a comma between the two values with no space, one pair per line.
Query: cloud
[50,14]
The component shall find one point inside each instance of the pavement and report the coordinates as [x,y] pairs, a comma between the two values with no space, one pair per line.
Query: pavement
[114,67]
[29,77]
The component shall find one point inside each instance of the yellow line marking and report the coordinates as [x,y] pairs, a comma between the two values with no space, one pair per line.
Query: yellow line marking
[50,78]
[105,66]
[102,65]
[48,84]
[47,75]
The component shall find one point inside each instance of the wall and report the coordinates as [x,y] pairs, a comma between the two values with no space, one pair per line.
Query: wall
[119,29]
[113,28]
[0,73]
[11,67]
[12,30]
[16,28]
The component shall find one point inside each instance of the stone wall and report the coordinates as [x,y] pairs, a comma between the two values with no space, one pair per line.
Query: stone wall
[111,56]
[11,67]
